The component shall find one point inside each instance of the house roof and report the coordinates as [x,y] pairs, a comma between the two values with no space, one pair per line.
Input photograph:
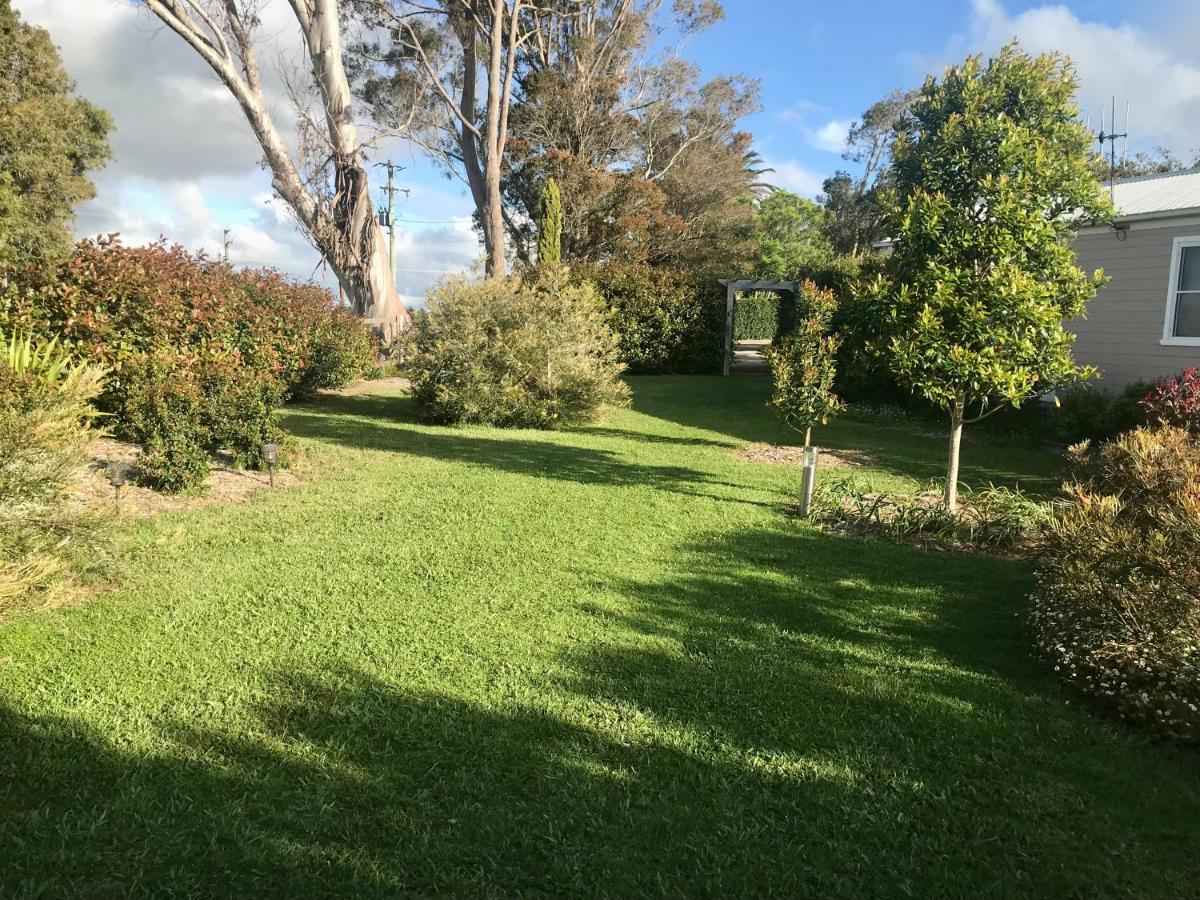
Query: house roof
[1157,194]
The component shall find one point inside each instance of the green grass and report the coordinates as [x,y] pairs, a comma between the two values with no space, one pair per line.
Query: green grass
[594,662]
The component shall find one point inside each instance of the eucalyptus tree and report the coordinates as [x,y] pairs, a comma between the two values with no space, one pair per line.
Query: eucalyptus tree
[321,175]
[507,94]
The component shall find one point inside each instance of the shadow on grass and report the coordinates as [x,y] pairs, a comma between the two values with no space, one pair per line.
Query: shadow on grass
[782,713]
[388,423]
[736,408]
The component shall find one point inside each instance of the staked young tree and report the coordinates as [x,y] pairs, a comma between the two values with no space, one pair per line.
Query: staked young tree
[990,177]
[49,141]
[804,365]
[323,181]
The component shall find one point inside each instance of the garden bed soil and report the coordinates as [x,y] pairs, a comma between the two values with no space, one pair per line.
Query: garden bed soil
[225,483]
[794,456]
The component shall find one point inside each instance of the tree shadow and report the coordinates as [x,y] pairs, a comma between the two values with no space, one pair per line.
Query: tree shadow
[736,409]
[387,424]
[781,713]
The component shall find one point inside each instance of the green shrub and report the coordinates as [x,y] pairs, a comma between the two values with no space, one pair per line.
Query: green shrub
[756,317]
[1117,605]
[45,427]
[244,340]
[520,353]
[667,321]
[1087,413]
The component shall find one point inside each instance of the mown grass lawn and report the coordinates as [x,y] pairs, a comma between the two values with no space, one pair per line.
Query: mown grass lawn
[470,662]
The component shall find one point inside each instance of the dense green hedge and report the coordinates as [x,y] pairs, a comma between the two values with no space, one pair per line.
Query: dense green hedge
[756,317]
[667,321]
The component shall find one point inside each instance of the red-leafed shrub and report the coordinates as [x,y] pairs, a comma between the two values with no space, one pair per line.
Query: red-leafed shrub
[1176,401]
[199,354]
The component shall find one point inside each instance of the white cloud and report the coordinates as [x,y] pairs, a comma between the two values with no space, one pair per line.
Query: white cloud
[186,165]
[831,136]
[792,176]
[1145,65]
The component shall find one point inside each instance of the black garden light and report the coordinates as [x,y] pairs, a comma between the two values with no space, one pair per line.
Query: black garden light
[117,471]
[270,453]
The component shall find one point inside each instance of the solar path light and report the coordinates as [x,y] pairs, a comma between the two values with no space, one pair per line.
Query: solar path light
[270,453]
[117,472]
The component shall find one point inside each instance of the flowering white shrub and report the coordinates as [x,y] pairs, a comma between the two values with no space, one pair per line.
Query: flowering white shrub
[1117,606]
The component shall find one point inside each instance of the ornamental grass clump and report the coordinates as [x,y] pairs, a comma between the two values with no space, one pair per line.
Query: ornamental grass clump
[1117,606]
[46,417]
[532,352]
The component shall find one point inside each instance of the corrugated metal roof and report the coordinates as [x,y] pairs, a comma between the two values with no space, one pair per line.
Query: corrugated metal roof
[1157,193]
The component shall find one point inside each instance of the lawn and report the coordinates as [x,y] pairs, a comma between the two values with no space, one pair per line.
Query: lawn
[471,662]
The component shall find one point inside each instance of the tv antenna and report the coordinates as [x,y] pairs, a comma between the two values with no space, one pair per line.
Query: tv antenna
[1110,138]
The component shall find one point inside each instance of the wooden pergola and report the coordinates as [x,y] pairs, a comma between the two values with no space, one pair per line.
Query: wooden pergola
[733,287]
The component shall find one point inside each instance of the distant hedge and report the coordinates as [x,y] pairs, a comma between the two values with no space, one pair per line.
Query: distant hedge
[756,317]
[667,321]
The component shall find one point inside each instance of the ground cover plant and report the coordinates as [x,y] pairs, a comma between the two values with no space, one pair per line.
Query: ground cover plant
[588,661]
[46,419]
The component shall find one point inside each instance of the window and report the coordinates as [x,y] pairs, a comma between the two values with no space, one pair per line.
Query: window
[1183,299]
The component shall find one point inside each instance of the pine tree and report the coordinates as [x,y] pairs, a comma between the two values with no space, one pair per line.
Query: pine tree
[549,246]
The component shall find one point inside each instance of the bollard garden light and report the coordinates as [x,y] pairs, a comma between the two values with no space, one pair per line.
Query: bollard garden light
[810,480]
[270,454]
[116,477]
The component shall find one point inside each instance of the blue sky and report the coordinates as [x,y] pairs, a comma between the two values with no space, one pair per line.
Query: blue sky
[186,166]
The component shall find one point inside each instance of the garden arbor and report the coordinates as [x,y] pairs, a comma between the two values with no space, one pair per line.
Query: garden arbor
[789,293]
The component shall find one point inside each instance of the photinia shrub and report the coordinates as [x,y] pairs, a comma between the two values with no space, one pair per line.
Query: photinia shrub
[199,354]
[1176,401]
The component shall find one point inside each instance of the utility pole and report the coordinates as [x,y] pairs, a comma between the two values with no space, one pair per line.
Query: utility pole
[225,242]
[387,217]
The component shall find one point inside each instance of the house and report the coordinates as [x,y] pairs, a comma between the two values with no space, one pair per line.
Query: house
[1145,322]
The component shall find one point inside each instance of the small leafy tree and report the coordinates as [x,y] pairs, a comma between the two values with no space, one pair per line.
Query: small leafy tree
[49,141]
[549,246]
[803,365]
[990,176]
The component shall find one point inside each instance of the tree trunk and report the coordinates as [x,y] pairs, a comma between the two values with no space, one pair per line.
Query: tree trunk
[344,229]
[807,437]
[956,427]
[357,251]
[494,147]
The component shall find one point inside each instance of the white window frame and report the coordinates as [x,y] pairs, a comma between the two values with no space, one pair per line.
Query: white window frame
[1169,338]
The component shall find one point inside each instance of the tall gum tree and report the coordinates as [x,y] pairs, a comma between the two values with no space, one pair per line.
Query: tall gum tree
[330,198]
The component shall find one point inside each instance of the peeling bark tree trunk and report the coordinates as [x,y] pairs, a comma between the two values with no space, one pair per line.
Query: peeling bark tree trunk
[342,228]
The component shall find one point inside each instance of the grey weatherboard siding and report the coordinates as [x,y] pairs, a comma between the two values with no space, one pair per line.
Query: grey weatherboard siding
[1122,333]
